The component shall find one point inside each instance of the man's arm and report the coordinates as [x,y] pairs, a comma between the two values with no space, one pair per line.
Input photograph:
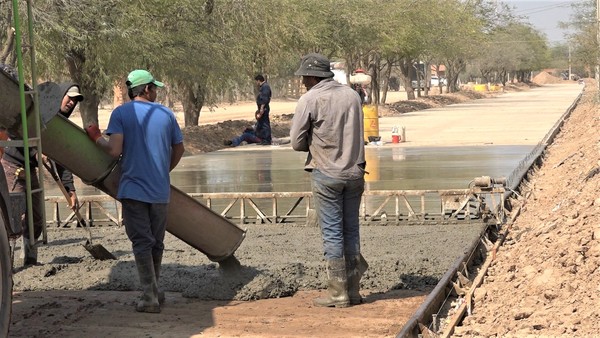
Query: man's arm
[264,97]
[301,125]
[66,177]
[114,145]
[176,153]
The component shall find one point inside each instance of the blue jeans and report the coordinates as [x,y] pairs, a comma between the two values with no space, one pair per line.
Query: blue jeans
[249,137]
[145,225]
[337,203]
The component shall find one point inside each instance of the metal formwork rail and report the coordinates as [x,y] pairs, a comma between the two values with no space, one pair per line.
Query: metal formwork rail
[381,207]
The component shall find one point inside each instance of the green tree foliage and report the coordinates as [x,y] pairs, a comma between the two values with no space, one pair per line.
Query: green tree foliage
[584,41]
[512,49]
[7,36]
[90,42]
[208,51]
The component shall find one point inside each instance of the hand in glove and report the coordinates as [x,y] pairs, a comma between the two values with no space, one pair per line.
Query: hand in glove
[93,132]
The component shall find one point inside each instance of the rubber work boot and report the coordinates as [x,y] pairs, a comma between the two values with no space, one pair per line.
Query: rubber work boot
[356,266]
[149,300]
[337,284]
[29,253]
[157,260]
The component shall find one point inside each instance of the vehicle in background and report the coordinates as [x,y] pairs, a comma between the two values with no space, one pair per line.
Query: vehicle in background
[415,85]
[435,81]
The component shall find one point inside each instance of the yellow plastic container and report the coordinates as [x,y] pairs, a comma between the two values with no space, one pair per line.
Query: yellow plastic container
[371,121]
[480,88]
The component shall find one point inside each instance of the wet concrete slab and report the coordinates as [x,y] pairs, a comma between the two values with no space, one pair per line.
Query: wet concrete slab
[390,168]
[445,148]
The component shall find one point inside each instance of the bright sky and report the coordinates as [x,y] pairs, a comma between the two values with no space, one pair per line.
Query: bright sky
[544,15]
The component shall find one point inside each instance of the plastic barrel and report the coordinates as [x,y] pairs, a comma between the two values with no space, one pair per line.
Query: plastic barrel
[371,121]
[480,87]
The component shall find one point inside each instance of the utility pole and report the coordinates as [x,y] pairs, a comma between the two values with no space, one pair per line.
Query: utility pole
[570,59]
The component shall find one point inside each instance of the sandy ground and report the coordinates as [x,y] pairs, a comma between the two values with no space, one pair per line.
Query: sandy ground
[545,280]
[73,295]
[275,266]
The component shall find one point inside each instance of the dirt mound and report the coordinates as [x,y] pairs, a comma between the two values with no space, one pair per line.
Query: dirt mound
[546,78]
[544,282]
[207,138]
[430,101]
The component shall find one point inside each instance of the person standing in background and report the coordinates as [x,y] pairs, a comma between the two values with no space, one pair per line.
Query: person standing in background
[262,102]
[328,124]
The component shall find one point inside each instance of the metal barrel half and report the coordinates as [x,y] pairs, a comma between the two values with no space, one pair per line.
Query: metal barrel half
[10,104]
[188,219]
[68,144]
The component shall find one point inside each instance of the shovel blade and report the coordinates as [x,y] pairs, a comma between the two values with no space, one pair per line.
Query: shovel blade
[98,251]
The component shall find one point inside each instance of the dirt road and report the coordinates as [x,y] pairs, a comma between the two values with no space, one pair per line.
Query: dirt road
[235,111]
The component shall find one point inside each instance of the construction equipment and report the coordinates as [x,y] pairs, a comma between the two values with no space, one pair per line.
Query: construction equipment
[97,250]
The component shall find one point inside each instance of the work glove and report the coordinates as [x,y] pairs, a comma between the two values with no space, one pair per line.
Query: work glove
[93,132]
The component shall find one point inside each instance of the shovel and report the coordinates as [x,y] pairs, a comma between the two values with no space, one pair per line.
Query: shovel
[97,250]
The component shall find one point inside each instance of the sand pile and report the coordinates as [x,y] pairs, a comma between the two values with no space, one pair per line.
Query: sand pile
[545,78]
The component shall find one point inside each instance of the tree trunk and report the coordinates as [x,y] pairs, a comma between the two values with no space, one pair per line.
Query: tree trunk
[375,87]
[192,102]
[76,60]
[503,77]
[387,73]
[8,48]
[453,68]
[404,66]
[119,94]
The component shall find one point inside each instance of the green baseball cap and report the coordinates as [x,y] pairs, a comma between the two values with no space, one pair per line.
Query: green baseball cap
[140,77]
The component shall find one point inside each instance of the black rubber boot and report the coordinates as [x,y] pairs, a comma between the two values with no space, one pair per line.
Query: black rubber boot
[149,300]
[356,266]
[337,284]
[157,260]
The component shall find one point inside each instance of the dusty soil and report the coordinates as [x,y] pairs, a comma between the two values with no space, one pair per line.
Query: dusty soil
[545,280]
[282,268]
[549,264]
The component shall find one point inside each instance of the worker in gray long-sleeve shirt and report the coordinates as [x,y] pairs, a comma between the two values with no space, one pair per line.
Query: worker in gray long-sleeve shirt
[328,124]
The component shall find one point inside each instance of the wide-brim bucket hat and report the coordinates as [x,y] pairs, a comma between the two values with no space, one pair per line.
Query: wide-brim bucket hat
[314,64]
